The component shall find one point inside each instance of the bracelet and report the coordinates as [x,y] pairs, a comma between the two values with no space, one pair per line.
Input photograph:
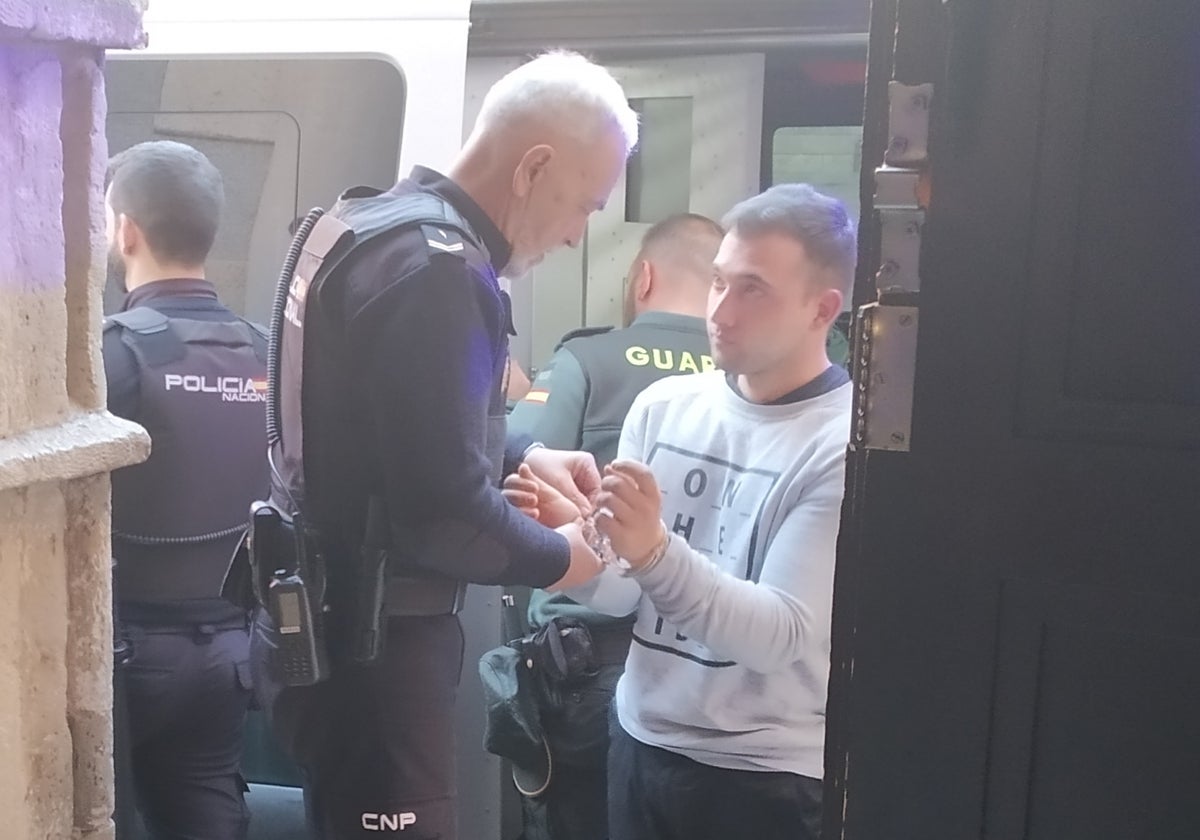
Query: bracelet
[660,551]
[531,447]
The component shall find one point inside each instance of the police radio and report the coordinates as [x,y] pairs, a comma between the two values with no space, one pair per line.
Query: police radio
[292,594]
[298,658]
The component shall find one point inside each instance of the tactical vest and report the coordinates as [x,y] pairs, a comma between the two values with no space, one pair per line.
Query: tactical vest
[359,216]
[202,398]
[621,364]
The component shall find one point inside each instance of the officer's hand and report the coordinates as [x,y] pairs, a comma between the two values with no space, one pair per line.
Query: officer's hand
[554,509]
[584,566]
[573,474]
[631,512]
[539,500]
[521,491]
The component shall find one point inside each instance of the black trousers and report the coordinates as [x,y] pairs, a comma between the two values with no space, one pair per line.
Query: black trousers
[575,805]
[655,794]
[375,744]
[187,692]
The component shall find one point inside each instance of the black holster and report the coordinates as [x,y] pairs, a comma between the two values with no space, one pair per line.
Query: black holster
[278,548]
[368,584]
[353,604]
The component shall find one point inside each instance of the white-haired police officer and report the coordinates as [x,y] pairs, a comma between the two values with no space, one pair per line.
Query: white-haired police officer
[393,347]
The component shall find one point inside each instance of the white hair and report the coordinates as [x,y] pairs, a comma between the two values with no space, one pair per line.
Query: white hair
[565,88]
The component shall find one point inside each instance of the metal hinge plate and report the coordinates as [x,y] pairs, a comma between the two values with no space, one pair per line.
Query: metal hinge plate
[886,362]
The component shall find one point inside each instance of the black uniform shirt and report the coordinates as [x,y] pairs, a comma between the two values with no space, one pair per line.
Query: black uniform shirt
[403,397]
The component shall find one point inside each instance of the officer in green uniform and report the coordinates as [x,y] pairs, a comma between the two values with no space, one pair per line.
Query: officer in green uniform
[579,401]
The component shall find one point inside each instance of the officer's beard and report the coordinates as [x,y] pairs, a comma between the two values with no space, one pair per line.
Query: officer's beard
[521,231]
[519,266]
[116,270]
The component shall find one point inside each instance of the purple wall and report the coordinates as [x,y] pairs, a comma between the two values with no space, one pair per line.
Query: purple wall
[35,37]
[30,168]
[99,23]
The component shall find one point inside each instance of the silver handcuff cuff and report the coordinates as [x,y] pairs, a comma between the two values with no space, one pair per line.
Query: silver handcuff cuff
[600,543]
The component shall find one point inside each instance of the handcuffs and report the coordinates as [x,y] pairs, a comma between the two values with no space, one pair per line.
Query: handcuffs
[602,546]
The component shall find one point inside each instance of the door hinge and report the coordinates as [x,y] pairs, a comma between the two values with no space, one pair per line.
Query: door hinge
[885,360]
[885,337]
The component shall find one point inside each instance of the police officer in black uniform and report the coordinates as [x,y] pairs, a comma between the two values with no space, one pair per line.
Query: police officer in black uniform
[579,401]
[394,344]
[193,374]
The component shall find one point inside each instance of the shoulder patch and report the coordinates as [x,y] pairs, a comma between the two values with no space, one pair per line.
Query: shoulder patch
[444,239]
[142,320]
[582,332]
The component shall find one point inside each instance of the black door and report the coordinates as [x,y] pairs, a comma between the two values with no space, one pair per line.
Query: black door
[1017,609]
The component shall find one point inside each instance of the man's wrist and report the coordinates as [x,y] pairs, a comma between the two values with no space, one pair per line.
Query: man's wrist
[656,554]
[535,445]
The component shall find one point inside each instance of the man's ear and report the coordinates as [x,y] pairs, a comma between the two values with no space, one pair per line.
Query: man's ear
[829,307]
[129,235]
[531,168]
[645,280]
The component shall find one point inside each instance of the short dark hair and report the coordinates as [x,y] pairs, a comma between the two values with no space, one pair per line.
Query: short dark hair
[173,193]
[689,240]
[818,222]
[680,224]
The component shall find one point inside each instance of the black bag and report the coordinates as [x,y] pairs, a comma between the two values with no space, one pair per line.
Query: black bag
[519,680]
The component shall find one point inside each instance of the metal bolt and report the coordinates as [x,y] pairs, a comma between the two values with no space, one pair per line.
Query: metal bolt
[897,437]
[906,320]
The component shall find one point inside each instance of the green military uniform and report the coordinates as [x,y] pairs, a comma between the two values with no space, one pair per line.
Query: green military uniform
[579,401]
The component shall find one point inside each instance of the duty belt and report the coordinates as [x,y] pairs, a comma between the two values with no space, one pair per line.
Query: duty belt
[412,596]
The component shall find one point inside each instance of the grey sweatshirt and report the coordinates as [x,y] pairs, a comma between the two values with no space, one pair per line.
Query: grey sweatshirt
[730,661]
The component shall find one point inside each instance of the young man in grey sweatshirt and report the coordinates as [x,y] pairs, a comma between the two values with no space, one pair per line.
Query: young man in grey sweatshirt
[723,507]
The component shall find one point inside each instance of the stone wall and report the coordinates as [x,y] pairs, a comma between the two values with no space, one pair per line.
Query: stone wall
[57,444]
